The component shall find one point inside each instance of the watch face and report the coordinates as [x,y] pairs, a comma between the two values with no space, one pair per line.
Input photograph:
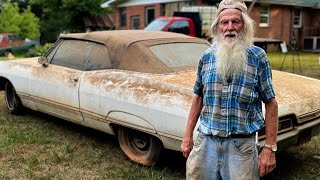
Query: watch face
[274,148]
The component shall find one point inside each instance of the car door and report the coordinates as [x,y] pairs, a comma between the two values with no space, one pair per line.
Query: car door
[94,104]
[54,88]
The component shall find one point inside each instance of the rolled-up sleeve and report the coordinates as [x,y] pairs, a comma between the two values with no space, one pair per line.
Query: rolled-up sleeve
[266,89]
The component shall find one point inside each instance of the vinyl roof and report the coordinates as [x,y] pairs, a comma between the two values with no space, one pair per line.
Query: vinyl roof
[127,37]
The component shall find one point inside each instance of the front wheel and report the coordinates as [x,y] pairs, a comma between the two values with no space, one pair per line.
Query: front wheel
[7,52]
[139,147]
[13,101]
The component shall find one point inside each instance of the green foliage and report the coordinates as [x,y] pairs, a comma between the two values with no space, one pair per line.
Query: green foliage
[65,16]
[30,24]
[10,18]
[24,24]
[39,50]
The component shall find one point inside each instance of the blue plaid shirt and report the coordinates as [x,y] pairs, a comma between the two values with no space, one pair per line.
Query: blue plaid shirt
[233,107]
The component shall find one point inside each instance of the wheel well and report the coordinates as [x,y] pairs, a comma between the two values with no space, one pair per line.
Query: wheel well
[115,128]
[3,82]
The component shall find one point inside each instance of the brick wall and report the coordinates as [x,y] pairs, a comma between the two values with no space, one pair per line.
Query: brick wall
[138,11]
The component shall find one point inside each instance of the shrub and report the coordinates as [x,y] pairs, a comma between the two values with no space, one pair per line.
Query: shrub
[39,50]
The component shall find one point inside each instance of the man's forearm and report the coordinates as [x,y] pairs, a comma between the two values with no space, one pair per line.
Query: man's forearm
[194,114]
[271,121]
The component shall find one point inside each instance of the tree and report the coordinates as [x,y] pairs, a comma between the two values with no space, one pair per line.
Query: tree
[58,16]
[24,24]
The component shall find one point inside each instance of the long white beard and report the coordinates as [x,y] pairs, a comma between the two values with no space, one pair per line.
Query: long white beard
[230,55]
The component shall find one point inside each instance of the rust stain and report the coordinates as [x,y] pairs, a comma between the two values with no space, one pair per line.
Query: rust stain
[143,89]
[296,94]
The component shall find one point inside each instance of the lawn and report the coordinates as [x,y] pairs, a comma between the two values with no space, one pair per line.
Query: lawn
[309,63]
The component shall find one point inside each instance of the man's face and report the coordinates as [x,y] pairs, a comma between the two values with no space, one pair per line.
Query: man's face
[230,24]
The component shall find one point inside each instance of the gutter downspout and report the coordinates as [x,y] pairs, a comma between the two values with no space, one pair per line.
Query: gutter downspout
[251,6]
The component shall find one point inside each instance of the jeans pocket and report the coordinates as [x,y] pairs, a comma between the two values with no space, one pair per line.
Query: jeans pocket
[199,139]
[244,146]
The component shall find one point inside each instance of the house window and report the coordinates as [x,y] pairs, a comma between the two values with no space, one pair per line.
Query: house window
[123,16]
[135,22]
[297,17]
[162,9]
[264,15]
[149,15]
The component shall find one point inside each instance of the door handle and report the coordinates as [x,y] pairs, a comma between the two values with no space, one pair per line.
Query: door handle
[75,79]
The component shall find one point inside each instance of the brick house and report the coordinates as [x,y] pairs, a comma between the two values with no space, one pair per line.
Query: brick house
[292,21]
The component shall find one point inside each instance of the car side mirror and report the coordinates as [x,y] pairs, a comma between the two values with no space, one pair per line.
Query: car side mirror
[43,61]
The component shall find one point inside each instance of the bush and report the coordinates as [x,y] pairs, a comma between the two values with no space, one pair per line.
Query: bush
[39,50]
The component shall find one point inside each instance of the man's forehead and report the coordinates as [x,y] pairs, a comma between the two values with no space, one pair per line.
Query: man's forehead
[230,13]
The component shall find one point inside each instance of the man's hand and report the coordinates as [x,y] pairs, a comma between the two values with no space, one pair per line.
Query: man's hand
[187,145]
[267,161]
[187,141]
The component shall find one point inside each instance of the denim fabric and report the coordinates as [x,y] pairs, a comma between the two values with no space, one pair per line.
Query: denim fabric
[214,158]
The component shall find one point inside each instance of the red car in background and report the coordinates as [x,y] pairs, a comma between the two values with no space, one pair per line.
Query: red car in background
[12,43]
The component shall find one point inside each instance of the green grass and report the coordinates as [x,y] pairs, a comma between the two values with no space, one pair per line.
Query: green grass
[309,63]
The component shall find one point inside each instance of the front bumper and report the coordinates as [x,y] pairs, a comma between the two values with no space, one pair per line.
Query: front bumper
[297,136]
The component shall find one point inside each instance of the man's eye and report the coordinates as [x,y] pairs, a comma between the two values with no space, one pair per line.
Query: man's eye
[224,22]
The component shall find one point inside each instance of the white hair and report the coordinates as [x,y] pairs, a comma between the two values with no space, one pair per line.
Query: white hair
[231,56]
[249,26]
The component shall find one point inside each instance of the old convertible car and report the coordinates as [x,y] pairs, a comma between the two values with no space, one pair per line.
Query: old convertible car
[137,85]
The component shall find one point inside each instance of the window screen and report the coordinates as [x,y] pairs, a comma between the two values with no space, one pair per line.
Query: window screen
[264,16]
[99,58]
[72,54]
[297,17]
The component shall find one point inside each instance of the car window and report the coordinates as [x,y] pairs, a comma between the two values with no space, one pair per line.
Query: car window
[72,54]
[11,38]
[157,24]
[179,27]
[179,55]
[99,58]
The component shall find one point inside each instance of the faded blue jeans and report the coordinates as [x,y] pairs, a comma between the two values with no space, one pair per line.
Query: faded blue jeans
[214,158]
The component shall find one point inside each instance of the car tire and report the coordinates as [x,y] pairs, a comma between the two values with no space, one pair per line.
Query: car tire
[13,101]
[6,53]
[139,147]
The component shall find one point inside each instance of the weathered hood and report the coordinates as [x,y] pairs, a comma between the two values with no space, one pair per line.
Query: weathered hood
[295,94]
[183,79]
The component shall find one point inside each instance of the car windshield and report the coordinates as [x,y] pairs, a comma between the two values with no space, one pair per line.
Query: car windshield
[157,25]
[179,55]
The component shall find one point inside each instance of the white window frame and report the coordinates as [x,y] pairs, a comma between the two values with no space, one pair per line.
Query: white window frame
[132,19]
[299,25]
[146,12]
[264,24]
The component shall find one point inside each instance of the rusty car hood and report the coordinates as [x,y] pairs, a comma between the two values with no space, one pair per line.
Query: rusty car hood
[295,94]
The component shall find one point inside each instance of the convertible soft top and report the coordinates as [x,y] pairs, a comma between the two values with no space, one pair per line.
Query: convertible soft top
[128,37]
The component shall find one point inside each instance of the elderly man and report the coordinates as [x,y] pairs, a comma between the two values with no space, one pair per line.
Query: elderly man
[233,80]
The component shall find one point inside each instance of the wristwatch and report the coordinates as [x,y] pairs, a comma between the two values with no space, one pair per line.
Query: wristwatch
[271,147]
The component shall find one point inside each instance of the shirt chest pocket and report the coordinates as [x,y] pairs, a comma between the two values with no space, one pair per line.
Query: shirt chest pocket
[246,92]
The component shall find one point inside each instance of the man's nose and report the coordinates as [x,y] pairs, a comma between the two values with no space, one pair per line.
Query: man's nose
[230,26]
